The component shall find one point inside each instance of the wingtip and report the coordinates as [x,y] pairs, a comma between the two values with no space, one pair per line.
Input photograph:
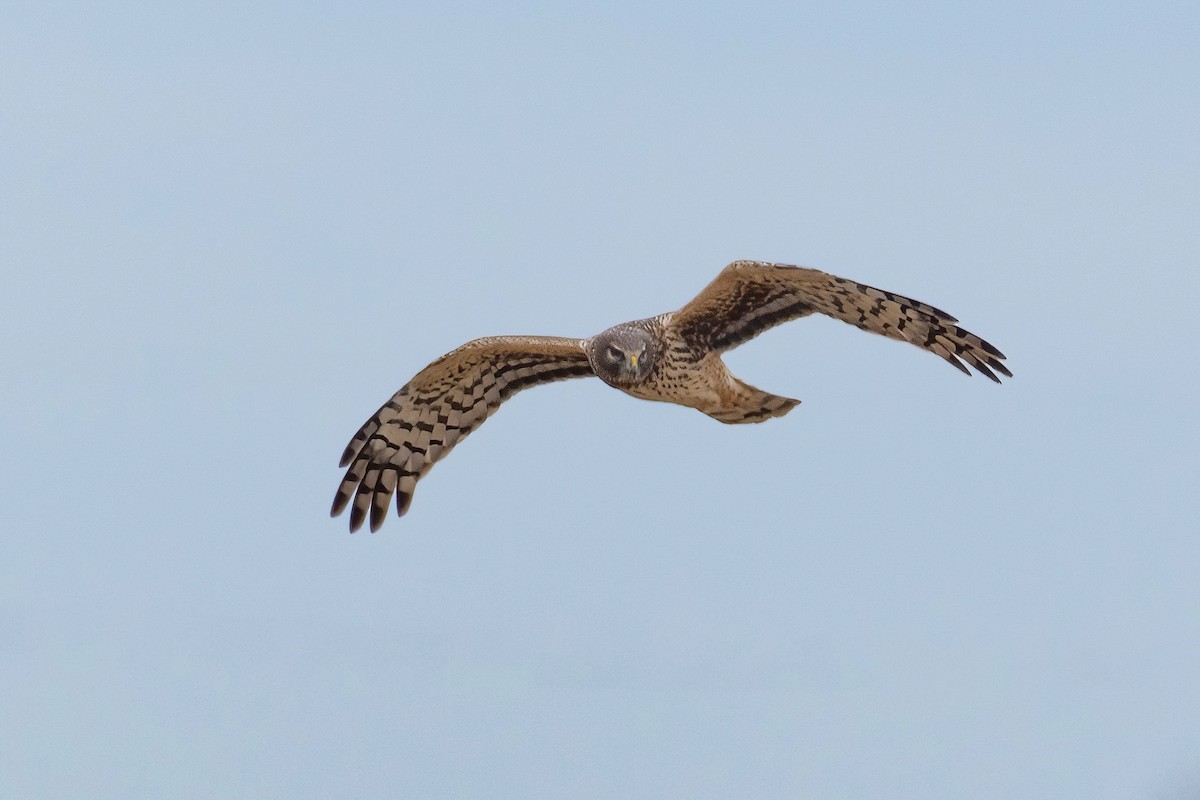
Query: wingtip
[353,447]
[378,514]
[357,517]
[991,348]
[985,368]
[339,504]
[403,501]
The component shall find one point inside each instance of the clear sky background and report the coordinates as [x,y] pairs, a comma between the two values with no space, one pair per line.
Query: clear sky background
[229,231]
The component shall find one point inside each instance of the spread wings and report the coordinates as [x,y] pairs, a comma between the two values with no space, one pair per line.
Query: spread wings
[748,297]
[437,408]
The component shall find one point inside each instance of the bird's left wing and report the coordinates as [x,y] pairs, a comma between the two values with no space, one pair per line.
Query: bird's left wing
[748,297]
[442,404]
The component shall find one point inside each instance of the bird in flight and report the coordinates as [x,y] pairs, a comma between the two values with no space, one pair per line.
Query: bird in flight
[674,358]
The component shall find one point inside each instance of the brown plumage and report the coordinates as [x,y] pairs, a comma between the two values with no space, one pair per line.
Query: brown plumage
[674,358]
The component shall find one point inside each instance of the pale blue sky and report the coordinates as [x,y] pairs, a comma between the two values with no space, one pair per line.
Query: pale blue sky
[229,232]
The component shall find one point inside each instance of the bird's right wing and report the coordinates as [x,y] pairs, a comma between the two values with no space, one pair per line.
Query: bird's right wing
[442,404]
[748,297]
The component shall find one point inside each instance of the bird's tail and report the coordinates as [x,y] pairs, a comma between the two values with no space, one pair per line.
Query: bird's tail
[750,404]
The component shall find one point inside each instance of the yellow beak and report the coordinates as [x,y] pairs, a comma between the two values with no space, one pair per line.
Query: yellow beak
[633,361]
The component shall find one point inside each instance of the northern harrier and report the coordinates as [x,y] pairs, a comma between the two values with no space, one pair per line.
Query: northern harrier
[674,357]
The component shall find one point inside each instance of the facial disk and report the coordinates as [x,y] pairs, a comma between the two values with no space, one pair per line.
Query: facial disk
[624,355]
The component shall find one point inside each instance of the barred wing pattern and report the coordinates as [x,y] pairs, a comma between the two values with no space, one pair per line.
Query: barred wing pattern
[748,297]
[436,409]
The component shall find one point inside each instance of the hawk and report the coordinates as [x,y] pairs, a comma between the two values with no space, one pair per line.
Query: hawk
[674,358]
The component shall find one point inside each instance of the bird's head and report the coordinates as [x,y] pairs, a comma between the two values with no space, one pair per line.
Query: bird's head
[623,355]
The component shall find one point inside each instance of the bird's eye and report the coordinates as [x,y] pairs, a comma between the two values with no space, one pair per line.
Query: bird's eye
[614,353]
